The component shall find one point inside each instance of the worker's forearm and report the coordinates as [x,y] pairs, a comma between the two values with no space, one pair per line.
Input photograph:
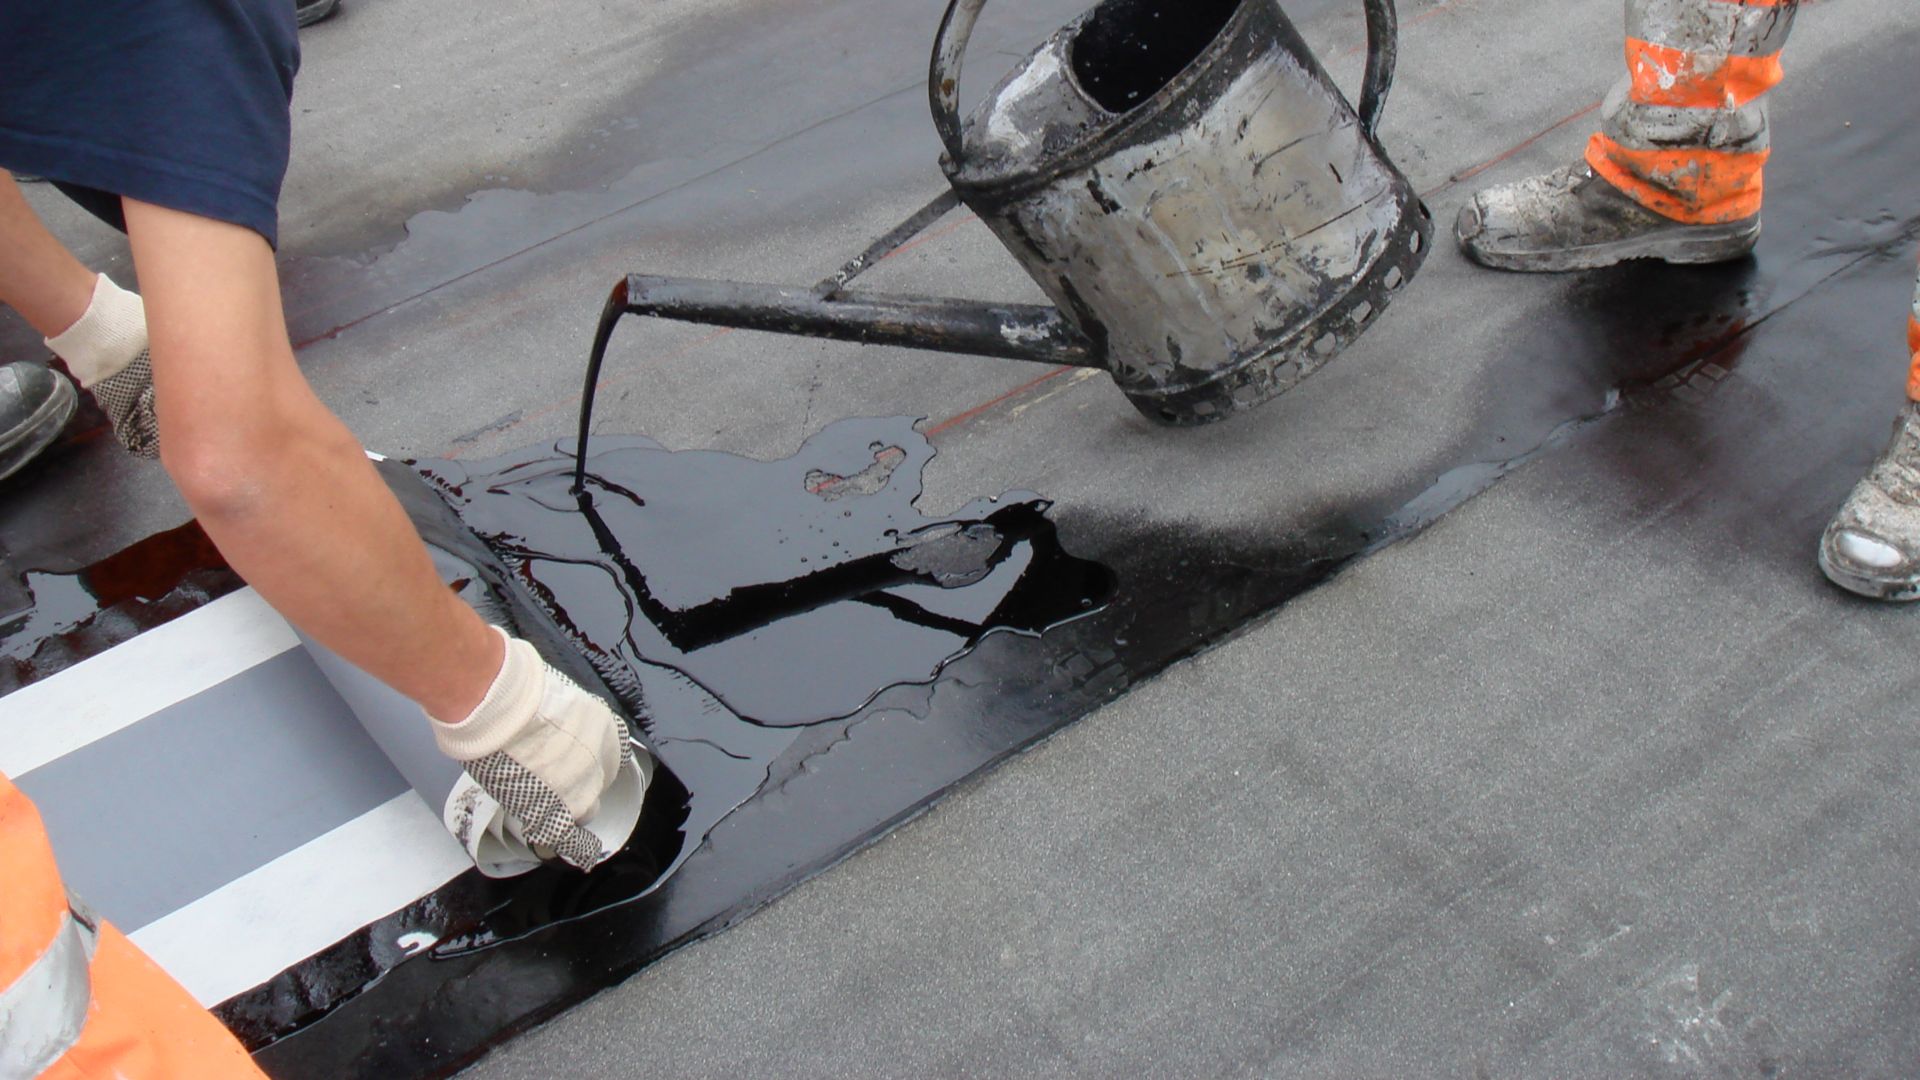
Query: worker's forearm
[311,526]
[39,278]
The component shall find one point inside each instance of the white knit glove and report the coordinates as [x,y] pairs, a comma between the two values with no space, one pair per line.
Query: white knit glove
[106,350]
[545,749]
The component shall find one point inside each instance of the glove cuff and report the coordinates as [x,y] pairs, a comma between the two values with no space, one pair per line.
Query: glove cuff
[102,342]
[511,701]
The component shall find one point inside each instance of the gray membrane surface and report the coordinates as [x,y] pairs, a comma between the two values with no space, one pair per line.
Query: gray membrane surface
[174,806]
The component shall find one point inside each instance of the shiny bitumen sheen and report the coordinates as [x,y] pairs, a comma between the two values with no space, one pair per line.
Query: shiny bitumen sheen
[791,591]
[758,619]
[57,618]
[738,598]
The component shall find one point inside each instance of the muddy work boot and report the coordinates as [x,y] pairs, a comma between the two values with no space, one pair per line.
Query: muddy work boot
[35,405]
[1574,220]
[1873,545]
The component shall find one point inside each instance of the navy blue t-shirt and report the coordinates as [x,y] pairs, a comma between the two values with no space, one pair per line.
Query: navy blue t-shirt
[179,103]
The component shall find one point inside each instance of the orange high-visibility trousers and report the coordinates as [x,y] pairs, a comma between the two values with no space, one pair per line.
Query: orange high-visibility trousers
[1685,132]
[1913,345]
[78,1001]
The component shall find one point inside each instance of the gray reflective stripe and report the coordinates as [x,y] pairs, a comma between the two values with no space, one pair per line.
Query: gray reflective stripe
[1711,27]
[42,1013]
[1667,127]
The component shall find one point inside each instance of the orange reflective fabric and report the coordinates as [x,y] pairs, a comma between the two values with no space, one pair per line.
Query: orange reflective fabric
[1677,78]
[1698,187]
[1913,346]
[32,901]
[143,1026]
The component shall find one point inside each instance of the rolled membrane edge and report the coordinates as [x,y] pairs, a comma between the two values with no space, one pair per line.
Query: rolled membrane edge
[492,837]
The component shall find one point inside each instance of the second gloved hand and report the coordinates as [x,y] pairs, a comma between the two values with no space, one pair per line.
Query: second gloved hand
[545,749]
[127,399]
[106,351]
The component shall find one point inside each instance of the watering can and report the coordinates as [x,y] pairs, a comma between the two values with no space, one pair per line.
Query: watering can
[1211,218]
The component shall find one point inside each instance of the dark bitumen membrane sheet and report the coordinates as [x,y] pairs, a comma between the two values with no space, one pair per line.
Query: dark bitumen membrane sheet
[1627,369]
[1642,377]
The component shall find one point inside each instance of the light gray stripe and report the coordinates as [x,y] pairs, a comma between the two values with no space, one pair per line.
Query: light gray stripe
[1666,127]
[171,808]
[1711,27]
[42,1013]
[395,724]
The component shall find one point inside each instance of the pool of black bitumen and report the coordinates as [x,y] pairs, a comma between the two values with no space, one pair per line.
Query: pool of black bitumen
[740,604]
[51,619]
[808,708]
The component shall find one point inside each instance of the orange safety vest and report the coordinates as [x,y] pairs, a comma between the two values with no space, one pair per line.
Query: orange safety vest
[78,1001]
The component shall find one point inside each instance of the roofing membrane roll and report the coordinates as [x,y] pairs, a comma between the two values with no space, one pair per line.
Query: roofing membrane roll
[490,836]
[396,725]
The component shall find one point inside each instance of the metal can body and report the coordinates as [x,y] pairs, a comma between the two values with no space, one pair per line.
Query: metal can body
[1218,237]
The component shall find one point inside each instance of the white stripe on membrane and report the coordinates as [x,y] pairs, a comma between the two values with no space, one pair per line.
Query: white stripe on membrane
[131,681]
[258,925]
[42,1013]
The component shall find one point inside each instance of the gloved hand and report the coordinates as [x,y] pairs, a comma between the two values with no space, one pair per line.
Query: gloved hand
[127,399]
[545,749]
[106,351]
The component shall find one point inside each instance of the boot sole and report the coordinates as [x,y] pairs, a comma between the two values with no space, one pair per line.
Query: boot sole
[40,429]
[1724,244]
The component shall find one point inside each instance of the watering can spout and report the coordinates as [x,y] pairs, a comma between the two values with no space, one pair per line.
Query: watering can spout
[1009,331]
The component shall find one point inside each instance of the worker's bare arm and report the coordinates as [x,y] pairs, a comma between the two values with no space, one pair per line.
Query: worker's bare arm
[39,278]
[276,479]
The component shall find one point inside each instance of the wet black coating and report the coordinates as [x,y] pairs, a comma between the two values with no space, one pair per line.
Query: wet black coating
[53,619]
[748,615]
[739,596]
[791,591]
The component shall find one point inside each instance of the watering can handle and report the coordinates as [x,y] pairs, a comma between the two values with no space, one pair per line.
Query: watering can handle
[956,30]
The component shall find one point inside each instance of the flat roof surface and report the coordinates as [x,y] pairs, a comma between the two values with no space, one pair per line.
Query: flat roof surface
[1590,773]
